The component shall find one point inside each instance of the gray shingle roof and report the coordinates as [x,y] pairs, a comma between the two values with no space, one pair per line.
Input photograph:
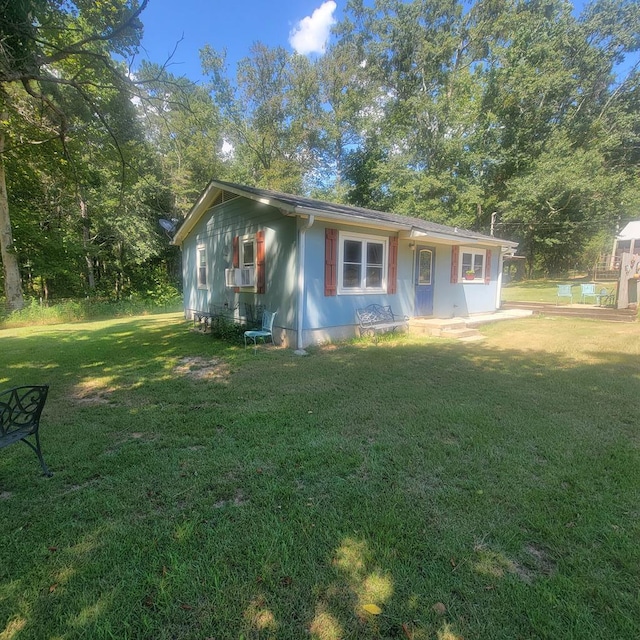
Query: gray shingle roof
[301,204]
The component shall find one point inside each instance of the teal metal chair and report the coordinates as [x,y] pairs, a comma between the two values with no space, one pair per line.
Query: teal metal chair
[588,290]
[265,332]
[564,291]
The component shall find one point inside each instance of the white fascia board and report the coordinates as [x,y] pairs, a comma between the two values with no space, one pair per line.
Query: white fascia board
[194,214]
[451,238]
[272,202]
[201,207]
[349,220]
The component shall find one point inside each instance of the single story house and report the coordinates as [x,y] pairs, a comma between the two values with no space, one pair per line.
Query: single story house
[628,240]
[315,263]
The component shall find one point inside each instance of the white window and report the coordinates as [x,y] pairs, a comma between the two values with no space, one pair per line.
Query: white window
[247,261]
[362,264]
[472,263]
[248,252]
[202,267]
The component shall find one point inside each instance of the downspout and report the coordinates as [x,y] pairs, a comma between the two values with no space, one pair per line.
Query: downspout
[302,231]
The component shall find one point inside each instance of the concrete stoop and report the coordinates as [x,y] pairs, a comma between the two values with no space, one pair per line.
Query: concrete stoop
[455,329]
[463,329]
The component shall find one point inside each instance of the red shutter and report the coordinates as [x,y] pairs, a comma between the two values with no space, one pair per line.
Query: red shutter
[392,275]
[455,253]
[487,268]
[236,257]
[260,262]
[330,262]
[236,252]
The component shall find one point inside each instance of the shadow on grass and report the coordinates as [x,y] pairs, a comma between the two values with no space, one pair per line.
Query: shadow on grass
[458,489]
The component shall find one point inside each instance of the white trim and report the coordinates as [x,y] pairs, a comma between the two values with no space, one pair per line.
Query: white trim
[242,241]
[473,251]
[202,249]
[364,239]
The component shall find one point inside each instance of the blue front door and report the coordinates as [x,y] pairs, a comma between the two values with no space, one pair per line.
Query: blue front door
[424,281]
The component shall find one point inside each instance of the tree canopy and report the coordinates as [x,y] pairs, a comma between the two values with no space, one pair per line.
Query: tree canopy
[516,110]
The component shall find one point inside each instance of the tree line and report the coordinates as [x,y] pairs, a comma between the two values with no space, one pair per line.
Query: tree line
[514,111]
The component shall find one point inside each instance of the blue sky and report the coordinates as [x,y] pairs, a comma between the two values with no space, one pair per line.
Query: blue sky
[300,25]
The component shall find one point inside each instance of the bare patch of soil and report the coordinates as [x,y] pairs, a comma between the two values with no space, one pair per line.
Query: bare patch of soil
[537,564]
[238,500]
[92,392]
[202,369]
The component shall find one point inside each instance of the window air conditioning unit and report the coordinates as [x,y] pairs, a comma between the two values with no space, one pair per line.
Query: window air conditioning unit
[242,277]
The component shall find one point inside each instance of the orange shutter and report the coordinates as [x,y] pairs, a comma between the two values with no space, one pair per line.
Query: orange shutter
[487,268]
[260,262]
[455,253]
[236,257]
[392,276]
[330,262]
[236,252]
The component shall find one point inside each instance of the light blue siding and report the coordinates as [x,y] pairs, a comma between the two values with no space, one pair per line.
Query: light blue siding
[331,312]
[462,299]
[215,231]
[327,312]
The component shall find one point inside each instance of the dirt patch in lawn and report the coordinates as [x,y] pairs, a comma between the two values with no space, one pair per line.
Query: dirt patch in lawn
[96,391]
[534,563]
[202,368]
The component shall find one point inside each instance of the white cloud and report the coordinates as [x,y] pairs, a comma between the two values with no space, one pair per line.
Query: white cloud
[227,151]
[311,34]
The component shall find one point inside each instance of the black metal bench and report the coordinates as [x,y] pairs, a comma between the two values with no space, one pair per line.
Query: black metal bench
[20,410]
[377,318]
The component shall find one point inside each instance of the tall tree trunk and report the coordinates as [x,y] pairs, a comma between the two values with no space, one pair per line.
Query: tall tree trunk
[86,241]
[12,283]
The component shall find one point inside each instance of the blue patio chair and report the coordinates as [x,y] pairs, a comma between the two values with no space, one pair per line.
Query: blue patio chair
[588,290]
[265,332]
[564,291]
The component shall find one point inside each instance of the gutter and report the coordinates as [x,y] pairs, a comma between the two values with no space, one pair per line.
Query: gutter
[302,242]
[354,220]
[464,238]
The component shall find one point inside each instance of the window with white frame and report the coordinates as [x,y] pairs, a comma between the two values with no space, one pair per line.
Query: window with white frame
[202,267]
[247,260]
[362,264]
[248,251]
[472,264]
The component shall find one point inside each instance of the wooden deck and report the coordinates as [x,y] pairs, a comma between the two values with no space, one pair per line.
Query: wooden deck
[589,311]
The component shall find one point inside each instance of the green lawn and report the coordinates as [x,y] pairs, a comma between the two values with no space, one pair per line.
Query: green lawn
[487,490]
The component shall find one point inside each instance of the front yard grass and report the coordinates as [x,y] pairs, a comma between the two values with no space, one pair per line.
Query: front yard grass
[487,490]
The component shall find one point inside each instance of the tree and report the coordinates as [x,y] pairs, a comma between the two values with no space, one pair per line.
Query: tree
[514,106]
[56,60]
[270,115]
[184,128]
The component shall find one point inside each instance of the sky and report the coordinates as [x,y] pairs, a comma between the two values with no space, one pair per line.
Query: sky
[298,25]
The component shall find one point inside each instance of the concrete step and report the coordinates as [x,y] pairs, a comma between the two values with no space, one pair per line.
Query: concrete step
[455,329]
[465,333]
[434,326]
